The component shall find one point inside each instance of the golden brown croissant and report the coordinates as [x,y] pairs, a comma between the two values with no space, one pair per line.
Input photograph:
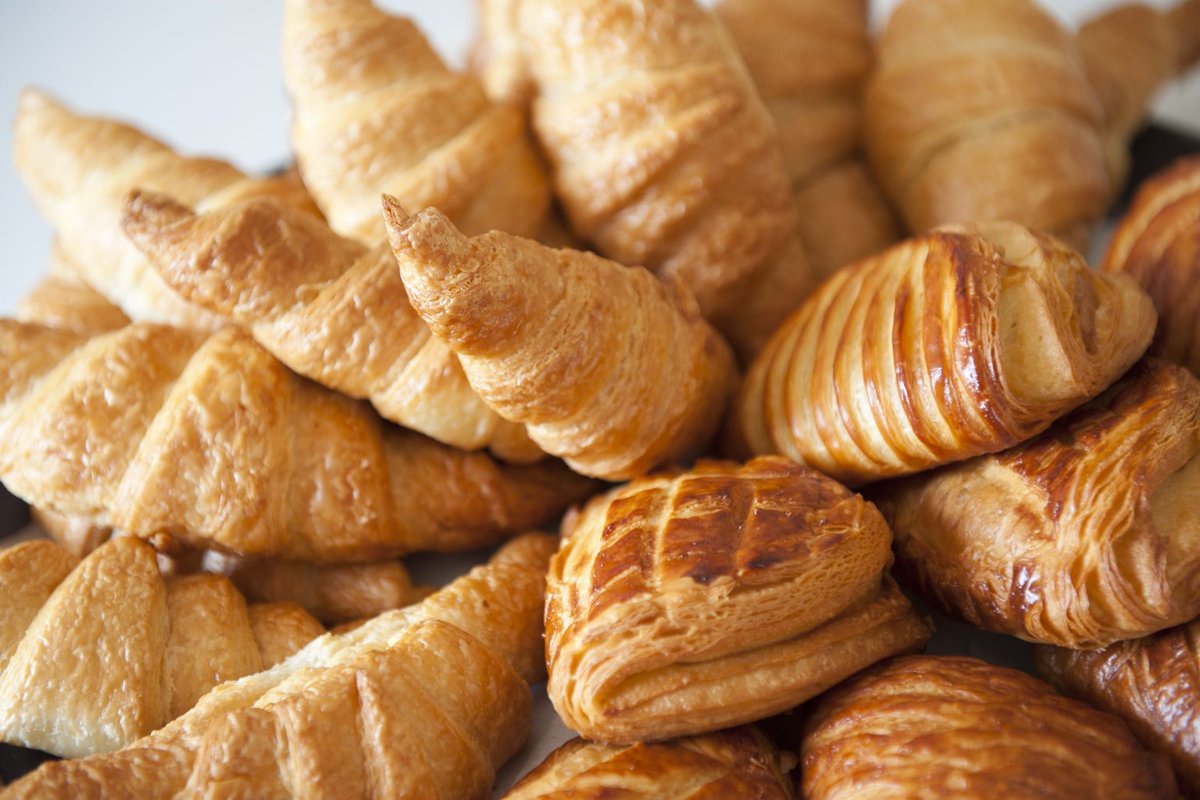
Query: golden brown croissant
[498,55]
[1080,537]
[929,726]
[687,602]
[737,763]
[1158,243]
[103,651]
[609,368]
[1152,683]
[208,442]
[376,111]
[326,306]
[960,342]
[78,170]
[424,701]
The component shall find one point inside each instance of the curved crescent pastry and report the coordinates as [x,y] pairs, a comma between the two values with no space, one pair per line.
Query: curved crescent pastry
[941,726]
[377,111]
[62,301]
[497,54]
[208,442]
[737,763]
[1083,536]
[688,602]
[608,367]
[1152,683]
[960,342]
[99,652]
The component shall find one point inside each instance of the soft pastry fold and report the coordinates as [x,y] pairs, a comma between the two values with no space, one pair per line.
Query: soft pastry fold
[942,726]
[608,367]
[199,441]
[376,110]
[1080,537]
[497,54]
[100,652]
[689,602]
[964,341]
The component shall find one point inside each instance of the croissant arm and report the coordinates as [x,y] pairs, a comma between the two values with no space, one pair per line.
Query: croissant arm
[66,302]
[497,54]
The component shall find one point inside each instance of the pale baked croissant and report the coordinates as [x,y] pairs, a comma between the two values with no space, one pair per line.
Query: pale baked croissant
[79,169]
[63,300]
[1158,243]
[1080,537]
[327,307]
[608,367]
[737,763]
[208,442]
[964,341]
[424,701]
[376,111]
[1152,683]
[498,55]
[930,726]
[688,602]
[101,652]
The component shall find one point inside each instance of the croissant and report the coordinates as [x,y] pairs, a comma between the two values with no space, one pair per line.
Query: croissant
[1158,244]
[201,441]
[609,368]
[687,602]
[424,701]
[733,763]
[964,341]
[376,111]
[941,726]
[100,652]
[1080,537]
[78,170]
[1152,683]
[63,300]
[497,55]
[326,306]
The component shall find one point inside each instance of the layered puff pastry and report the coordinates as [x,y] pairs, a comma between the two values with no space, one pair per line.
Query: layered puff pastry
[424,701]
[1158,243]
[100,652]
[608,367]
[1152,683]
[329,308]
[78,170]
[1083,536]
[376,110]
[688,602]
[942,726]
[203,441]
[964,341]
[736,763]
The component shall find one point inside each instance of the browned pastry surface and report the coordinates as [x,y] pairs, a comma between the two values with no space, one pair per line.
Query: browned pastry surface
[1080,537]
[737,763]
[608,367]
[960,342]
[62,300]
[928,727]
[208,442]
[689,602]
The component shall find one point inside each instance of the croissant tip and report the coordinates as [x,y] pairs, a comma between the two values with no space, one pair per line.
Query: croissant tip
[34,99]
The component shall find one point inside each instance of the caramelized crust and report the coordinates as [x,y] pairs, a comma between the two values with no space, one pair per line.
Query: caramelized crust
[688,602]
[1080,537]
[961,342]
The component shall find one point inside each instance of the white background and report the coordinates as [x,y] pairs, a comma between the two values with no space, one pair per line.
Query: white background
[204,75]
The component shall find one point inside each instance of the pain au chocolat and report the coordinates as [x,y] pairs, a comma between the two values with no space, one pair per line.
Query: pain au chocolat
[689,602]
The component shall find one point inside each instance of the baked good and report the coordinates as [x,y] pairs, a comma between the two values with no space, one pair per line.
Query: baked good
[733,763]
[376,110]
[1152,683]
[63,300]
[497,54]
[608,367]
[687,602]
[207,442]
[942,726]
[1080,537]
[101,652]
[78,170]
[964,341]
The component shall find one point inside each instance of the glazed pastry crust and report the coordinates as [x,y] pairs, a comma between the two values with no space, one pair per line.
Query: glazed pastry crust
[688,602]
[960,342]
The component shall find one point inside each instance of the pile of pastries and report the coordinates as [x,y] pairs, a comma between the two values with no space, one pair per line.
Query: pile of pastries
[770,321]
